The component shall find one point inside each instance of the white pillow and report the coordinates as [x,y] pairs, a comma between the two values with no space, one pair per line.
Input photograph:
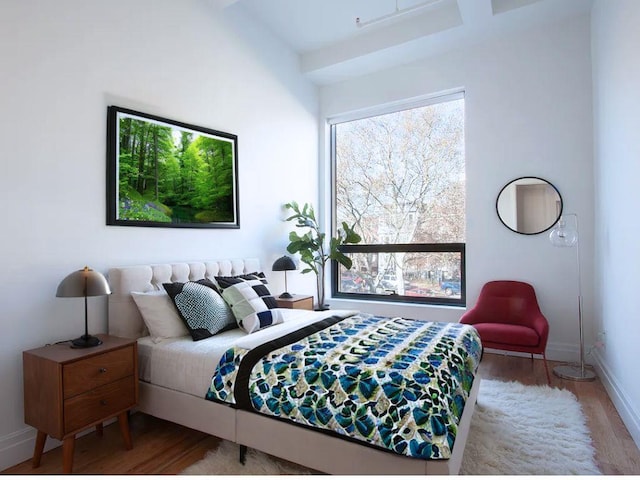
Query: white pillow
[159,315]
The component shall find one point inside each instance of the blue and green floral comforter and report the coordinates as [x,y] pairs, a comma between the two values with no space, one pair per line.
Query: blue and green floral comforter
[394,383]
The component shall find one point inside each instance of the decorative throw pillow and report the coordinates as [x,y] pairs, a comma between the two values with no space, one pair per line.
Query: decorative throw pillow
[249,305]
[201,307]
[257,280]
[159,315]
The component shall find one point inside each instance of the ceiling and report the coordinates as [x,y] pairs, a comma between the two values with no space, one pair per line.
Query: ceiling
[333,46]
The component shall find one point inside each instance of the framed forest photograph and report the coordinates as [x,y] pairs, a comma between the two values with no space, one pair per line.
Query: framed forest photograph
[165,173]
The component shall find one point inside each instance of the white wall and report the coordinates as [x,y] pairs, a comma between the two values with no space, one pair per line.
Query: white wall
[616,76]
[528,113]
[63,63]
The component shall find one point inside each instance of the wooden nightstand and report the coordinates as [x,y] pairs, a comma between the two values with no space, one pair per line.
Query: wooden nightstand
[67,390]
[304,302]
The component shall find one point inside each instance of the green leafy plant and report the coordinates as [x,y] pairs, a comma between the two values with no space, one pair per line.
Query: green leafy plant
[312,244]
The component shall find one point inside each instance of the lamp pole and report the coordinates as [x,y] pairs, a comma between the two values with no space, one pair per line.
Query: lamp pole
[569,371]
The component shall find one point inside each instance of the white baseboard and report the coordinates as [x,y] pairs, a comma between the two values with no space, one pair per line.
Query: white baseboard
[18,446]
[629,416]
[559,352]
[563,352]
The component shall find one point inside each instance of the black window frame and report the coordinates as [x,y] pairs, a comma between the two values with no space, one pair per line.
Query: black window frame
[392,248]
[403,248]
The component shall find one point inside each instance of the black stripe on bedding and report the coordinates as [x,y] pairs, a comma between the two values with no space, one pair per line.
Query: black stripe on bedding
[241,387]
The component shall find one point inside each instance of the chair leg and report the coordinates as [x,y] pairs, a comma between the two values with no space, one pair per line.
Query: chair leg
[546,368]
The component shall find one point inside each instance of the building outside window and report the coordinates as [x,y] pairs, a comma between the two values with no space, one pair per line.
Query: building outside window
[399,177]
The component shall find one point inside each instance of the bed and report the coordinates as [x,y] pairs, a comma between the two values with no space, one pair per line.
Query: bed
[176,375]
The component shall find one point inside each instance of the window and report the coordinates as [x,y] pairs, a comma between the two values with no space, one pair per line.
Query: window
[399,177]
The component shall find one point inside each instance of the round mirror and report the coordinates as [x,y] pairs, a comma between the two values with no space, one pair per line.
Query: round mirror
[529,205]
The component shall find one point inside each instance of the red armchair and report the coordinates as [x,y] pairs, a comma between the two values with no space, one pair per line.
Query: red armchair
[507,317]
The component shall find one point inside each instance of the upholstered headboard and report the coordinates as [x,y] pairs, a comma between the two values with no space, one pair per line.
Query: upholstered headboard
[124,317]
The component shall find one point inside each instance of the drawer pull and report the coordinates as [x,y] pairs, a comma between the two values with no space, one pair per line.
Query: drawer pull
[103,402]
[103,370]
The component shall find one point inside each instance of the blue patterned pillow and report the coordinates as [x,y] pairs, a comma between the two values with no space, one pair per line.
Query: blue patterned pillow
[201,307]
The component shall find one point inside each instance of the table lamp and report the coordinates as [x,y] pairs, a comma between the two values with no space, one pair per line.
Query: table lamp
[284,264]
[84,283]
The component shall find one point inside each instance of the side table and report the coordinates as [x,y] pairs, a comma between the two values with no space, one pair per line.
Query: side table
[67,390]
[304,302]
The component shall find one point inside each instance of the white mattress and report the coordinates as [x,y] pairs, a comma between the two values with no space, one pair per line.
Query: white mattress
[187,366]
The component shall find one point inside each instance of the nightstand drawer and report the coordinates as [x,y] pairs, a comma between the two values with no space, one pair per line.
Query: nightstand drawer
[89,373]
[99,403]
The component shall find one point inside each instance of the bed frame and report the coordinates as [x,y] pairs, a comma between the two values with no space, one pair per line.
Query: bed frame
[322,452]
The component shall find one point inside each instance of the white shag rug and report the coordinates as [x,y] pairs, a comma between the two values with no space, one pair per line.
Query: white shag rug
[515,430]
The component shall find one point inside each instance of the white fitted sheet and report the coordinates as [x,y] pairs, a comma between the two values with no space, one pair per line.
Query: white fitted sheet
[187,366]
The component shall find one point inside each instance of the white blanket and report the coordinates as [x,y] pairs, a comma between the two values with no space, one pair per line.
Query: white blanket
[187,366]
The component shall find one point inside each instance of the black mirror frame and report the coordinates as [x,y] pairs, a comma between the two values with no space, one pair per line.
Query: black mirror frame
[537,178]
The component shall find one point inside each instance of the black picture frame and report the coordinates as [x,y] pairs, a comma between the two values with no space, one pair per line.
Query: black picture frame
[167,173]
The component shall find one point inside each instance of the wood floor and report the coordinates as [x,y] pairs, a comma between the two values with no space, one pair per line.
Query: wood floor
[164,448]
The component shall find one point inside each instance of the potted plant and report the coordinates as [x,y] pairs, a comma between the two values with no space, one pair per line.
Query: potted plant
[312,246]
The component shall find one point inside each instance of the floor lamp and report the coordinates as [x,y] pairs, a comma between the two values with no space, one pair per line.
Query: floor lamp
[564,235]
